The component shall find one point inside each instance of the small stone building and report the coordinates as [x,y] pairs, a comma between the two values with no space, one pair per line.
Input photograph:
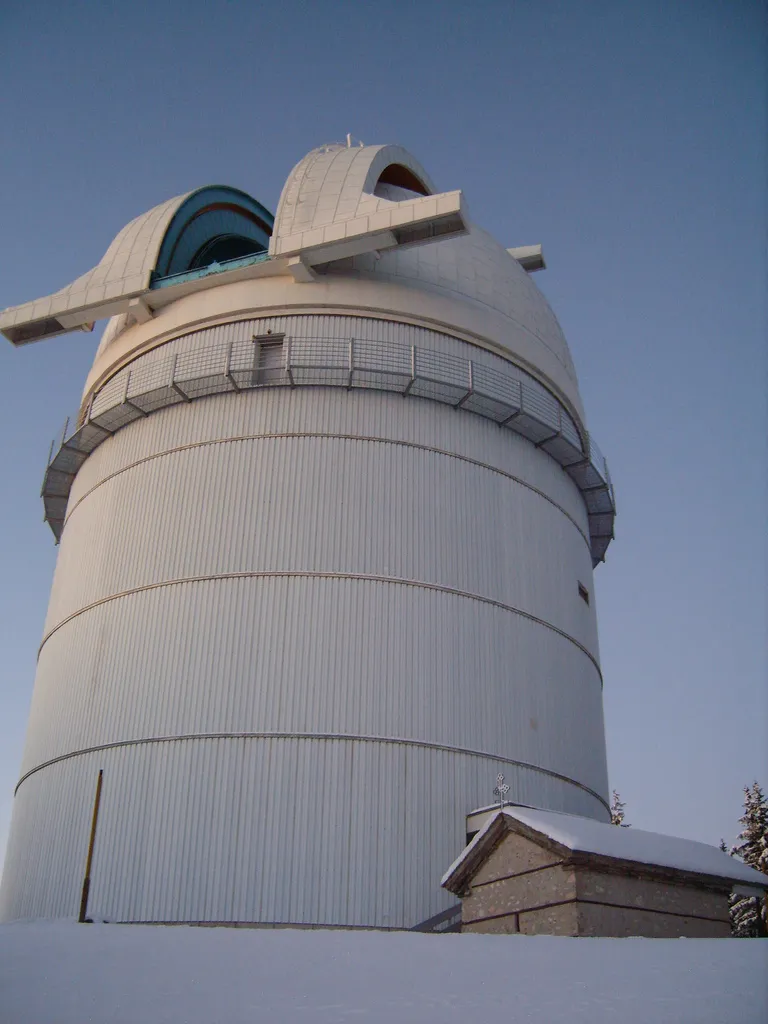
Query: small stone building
[546,873]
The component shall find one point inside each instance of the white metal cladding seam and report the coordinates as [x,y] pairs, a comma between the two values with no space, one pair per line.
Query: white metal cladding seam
[326,505]
[332,411]
[252,830]
[339,656]
[306,435]
[351,738]
[72,716]
[249,478]
[310,574]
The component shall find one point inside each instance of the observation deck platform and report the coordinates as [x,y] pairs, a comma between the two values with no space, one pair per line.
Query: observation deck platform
[150,383]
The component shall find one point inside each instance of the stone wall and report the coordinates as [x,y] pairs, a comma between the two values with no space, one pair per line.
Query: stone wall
[523,887]
[613,904]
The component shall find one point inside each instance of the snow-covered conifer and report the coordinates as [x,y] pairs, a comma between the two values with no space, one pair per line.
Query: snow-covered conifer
[749,914]
[617,811]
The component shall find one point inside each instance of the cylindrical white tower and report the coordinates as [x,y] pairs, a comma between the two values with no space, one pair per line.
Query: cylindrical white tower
[328,521]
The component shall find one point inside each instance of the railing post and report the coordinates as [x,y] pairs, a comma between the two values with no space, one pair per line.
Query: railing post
[514,415]
[609,482]
[228,368]
[172,383]
[351,368]
[256,360]
[470,388]
[412,381]
[126,399]
[45,474]
[288,367]
[557,433]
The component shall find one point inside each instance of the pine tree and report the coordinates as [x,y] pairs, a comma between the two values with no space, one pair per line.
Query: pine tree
[749,914]
[617,811]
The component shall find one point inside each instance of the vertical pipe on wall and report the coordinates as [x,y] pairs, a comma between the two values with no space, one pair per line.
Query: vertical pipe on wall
[91,841]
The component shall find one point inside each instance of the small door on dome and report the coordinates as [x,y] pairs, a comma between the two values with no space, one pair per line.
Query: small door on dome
[269,362]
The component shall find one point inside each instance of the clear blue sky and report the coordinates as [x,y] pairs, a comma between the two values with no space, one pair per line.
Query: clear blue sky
[628,138]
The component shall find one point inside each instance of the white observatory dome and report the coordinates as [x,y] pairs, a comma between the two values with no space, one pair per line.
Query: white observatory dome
[328,516]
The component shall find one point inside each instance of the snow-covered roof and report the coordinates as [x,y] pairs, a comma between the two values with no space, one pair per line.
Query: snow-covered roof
[577,835]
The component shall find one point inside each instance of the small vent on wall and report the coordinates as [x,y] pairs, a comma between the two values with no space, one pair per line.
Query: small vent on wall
[35,331]
[583,593]
[439,228]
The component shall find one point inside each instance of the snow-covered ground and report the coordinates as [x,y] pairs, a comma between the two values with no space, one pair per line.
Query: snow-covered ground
[61,973]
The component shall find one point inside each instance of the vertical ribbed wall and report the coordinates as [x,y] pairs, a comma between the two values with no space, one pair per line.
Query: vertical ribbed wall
[301,631]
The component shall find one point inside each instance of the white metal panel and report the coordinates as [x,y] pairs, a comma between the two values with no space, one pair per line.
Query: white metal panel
[405,624]
[325,504]
[277,831]
[318,655]
[366,414]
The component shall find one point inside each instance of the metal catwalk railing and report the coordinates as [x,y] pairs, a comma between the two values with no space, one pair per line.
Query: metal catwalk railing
[158,380]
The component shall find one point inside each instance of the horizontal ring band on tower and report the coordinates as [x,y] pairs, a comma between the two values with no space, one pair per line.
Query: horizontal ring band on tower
[346,737]
[311,574]
[308,435]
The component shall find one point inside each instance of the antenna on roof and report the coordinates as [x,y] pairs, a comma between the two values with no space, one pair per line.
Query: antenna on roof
[501,790]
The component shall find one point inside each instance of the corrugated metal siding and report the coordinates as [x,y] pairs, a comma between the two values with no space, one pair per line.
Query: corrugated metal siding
[306,831]
[326,505]
[327,655]
[309,830]
[324,410]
